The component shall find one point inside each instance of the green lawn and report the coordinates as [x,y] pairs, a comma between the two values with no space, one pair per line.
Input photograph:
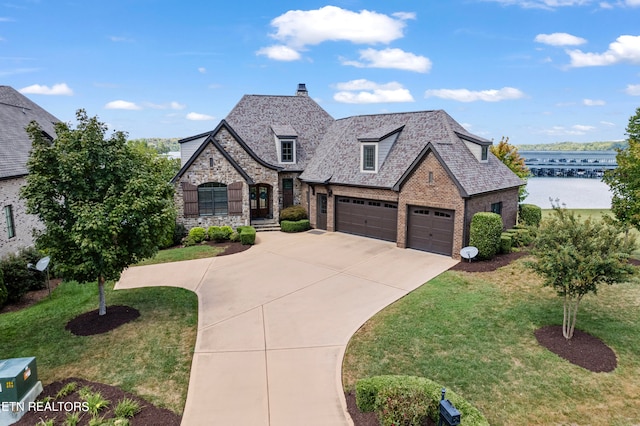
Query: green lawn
[473,333]
[185,253]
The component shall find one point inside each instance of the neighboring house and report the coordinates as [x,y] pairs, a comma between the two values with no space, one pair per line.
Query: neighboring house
[414,178]
[16,112]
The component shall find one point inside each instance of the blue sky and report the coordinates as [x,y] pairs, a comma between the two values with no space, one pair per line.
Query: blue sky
[537,71]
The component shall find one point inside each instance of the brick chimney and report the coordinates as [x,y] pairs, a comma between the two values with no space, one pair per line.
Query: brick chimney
[302,90]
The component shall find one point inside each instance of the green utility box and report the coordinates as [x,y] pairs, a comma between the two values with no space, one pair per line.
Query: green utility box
[17,377]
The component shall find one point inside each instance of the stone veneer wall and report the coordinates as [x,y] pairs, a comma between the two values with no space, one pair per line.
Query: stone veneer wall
[24,223]
[222,171]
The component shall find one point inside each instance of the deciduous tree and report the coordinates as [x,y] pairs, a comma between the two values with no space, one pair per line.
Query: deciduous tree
[509,155]
[104,204]
[575,257]
[624,180]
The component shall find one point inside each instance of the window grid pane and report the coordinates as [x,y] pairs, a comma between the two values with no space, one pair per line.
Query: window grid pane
[11,229]
[369,157]
[287,151]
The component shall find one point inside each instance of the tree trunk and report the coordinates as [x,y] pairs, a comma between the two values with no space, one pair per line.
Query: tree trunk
[570,315]
[103,305]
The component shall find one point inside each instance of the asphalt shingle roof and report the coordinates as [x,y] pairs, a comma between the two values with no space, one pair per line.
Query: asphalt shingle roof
[256,118]
[16,112]
[337,159]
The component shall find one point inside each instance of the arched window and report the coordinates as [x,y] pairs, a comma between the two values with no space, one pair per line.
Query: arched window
[212,199]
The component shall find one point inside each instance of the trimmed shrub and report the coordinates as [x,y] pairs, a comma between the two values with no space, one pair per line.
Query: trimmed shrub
[412,395]
[18,278]
[505,243]
[484,234]
[3,290]
[219,234]
[293,213]
[529,214]
[247,234]
[197,234]
[297,226]
[234,237]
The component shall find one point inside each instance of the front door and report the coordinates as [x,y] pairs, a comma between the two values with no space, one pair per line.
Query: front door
[260,199]
[321,215]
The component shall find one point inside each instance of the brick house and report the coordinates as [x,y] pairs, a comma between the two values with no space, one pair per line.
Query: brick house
[16,112]
[414,178]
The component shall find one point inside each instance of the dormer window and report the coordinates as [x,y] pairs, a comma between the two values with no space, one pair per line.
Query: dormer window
[369,157]
[288,151]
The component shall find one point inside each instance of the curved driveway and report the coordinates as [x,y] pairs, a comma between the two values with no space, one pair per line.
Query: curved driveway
[274,322]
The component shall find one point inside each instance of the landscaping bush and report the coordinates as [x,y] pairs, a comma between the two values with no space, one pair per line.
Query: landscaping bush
[505,242]
[219,234]
[18,278]
[293,213]
[234,237]
[393,396]
[179,232]
[197,234]
[484,234]
[247,234]
[3,290]
[520,237]
[295,226]
[529,214]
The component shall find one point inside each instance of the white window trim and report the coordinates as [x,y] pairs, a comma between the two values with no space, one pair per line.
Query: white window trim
[375,168]
[279,142]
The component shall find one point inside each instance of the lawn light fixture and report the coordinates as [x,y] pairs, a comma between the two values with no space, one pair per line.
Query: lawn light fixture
[449,415]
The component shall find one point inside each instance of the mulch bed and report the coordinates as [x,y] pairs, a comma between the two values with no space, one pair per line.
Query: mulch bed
[149,414]
[91,323]
[230,247]
[498,261]
[582,349]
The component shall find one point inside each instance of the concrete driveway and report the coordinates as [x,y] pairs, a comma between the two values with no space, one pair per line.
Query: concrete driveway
[274,322]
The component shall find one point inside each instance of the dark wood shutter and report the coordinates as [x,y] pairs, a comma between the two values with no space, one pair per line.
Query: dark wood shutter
[234,194]
[190,198]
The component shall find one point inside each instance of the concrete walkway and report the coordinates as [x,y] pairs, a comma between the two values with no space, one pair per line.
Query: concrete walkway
[274,322]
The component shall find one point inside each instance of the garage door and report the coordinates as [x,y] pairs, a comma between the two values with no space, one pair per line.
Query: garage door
[430,229]
[369,218]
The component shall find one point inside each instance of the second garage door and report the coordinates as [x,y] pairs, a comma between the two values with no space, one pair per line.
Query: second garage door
[369,218]
[430,229]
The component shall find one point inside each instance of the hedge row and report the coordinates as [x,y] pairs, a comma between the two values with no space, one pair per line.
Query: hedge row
[295,226]
[400,400]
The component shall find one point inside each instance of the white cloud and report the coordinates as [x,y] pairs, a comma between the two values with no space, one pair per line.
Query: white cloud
[575,130]
[593,102]
[202,70]
[560,39]
[626,48]
[170,105]
[632,89]
[119,39]
[330,23]
[279,53]
[297,29]
[543,4]
[194,116]
[56,89]
[368,92]
[391,58]
[120,104]
[465,95]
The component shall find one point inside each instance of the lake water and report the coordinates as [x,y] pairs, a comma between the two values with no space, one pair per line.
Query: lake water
[576,193]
